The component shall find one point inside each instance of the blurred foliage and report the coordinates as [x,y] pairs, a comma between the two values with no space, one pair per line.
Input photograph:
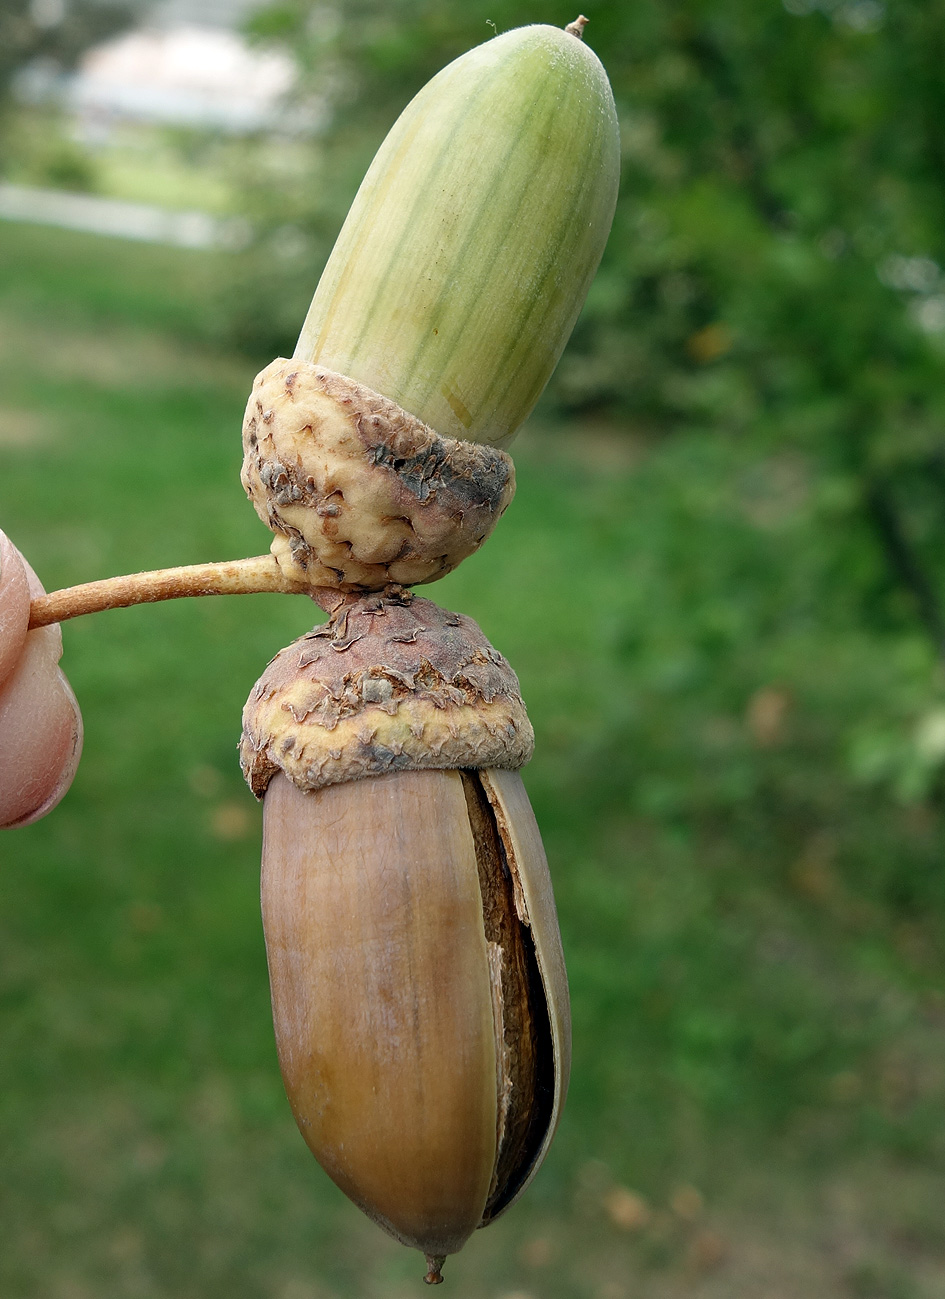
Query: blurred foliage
[52,34]
[775,265]
[38,148]
[56,31]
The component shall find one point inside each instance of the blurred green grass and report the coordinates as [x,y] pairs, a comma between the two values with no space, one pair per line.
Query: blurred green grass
[174,167]
[736,776]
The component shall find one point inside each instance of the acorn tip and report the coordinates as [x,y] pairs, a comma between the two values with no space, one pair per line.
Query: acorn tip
[434,1274]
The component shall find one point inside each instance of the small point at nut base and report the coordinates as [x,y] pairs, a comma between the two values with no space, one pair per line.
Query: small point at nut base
[577,27]
[434,1274]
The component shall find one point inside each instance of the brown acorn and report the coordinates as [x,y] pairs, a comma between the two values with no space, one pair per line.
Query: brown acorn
[418,993]
[418,987]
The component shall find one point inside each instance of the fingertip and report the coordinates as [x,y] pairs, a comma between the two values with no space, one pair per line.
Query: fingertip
[40,734]
[73,752]
[14,605]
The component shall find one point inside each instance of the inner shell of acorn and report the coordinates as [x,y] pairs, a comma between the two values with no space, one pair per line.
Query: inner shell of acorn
[524,1063]
[411,1021]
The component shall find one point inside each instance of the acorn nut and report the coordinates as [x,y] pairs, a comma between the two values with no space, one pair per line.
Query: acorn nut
[418,986]
[419,994]
[450,293]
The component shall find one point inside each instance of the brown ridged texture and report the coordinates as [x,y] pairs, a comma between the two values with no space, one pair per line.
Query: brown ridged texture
[390,683]
[359,493]
[524,853]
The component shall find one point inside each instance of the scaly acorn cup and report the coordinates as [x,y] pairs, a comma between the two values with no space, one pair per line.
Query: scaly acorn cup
[359,493]
[419,994]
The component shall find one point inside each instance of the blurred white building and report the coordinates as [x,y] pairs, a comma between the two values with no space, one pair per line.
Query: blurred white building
[183,75]
[187,65]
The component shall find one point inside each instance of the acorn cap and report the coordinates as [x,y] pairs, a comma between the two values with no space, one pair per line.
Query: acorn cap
[358,492]
[390,683]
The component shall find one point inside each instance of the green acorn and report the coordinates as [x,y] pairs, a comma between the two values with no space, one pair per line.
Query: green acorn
[469,249]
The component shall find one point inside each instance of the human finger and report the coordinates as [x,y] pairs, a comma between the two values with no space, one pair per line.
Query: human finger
[14,605]
[40,722]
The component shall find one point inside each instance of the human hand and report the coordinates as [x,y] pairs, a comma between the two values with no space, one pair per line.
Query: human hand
[40,722]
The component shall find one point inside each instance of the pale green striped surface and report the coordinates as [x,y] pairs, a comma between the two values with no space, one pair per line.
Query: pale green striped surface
[467,254]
